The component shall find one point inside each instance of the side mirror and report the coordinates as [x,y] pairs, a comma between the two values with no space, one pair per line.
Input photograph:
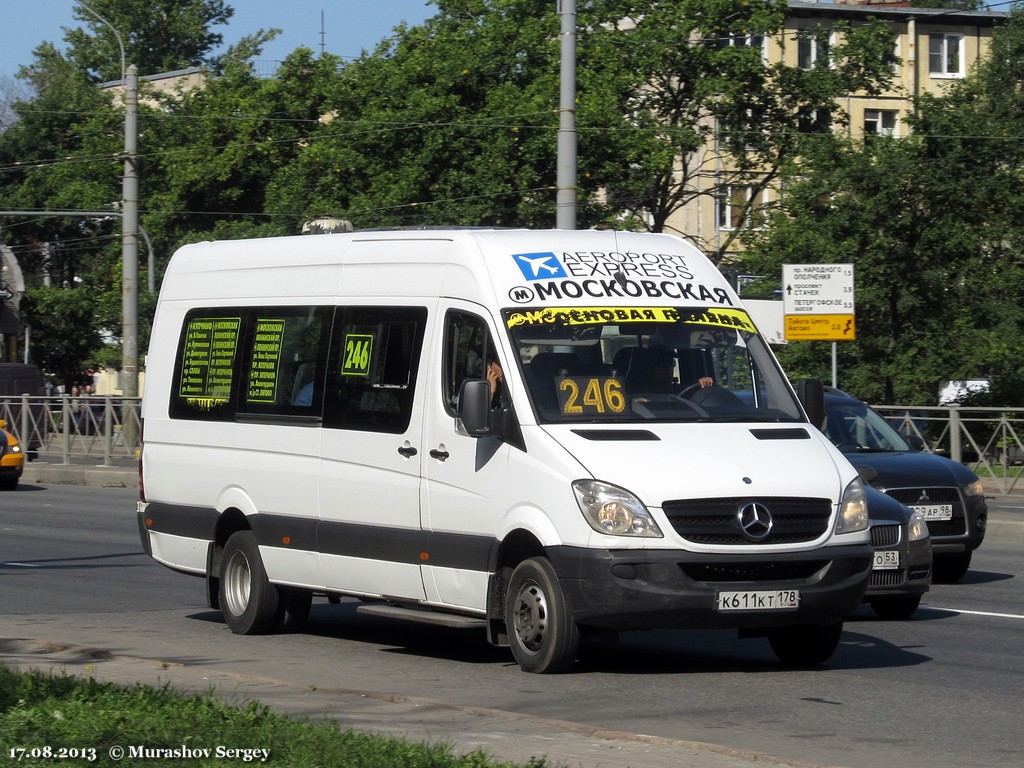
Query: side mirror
[475,407]
[811,393]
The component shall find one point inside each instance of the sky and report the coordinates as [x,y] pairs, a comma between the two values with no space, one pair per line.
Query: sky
[349,26]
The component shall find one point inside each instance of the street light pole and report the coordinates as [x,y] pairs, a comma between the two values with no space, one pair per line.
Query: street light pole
[130,238]
[565,203]
[129,222]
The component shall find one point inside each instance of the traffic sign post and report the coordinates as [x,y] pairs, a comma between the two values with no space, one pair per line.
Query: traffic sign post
[817,305]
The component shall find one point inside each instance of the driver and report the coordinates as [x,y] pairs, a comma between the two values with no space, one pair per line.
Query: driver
[660,364]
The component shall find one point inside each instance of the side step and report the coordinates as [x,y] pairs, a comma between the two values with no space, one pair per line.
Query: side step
[451,620]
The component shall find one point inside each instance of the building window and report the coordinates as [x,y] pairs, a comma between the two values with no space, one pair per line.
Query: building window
[814,120]
[734,203]
[879,122]
[812,47]
[743,41]
[945,55]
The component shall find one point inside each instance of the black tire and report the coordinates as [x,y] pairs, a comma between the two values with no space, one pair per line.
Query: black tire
[950,568]
[806,644]
[8,483]
[541,631]
[250,603]
[896,608]
[296,604]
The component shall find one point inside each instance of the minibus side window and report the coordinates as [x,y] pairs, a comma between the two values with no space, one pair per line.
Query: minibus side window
[205,369]
[467,345]
[372,368]
[285,360]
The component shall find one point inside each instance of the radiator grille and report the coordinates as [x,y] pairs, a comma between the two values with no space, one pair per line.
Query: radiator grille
[716,521]
[885,535]
[891,578]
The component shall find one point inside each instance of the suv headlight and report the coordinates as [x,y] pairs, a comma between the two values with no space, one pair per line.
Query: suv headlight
[853,509]
[917,528]
[613,510]
[977,488]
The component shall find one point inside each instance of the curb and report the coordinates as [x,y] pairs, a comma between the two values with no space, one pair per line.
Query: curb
[76,474]
[502,735]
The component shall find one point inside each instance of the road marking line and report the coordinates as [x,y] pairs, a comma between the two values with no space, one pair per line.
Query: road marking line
[974,613]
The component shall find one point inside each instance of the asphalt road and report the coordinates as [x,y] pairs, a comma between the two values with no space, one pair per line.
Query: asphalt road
[941,690]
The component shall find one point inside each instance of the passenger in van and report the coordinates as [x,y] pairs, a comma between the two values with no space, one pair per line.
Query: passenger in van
[304,396]
[495,376]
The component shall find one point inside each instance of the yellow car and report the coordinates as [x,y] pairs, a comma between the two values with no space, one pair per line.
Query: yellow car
[12,460]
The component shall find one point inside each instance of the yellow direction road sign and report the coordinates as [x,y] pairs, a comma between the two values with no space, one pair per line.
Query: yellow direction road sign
[820,328]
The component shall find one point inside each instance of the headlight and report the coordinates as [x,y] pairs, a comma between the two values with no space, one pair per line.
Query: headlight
[977,488]
[917,527]
[853,509]
[612,510]
[15,448]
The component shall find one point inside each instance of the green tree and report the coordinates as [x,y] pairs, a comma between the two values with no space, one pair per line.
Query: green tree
[703,104]
[932,224]
[455,121]
[64,329]
[61,153]
[158,35]
[451,122]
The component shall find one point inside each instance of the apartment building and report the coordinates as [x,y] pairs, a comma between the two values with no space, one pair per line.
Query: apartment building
[934,48]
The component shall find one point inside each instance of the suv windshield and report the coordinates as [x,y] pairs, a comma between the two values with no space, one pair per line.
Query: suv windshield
[648,363]
[855,428]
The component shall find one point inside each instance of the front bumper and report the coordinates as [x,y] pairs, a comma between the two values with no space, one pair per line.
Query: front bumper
[964,531]
[914,574]
[12,468]
[650,589]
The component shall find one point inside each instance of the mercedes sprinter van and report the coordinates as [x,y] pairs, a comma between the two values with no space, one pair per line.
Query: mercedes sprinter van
[545,434]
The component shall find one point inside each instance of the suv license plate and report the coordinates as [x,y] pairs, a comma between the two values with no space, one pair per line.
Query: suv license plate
[759,600]
[886,560]
[934,511]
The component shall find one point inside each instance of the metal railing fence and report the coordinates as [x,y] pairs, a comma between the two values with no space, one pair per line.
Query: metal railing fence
[107,428]
[101,427]
[988,440]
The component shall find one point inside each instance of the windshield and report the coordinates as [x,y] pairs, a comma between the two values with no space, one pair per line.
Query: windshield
[647,364]
[855,428]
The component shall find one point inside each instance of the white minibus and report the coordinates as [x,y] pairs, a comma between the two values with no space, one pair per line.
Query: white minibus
[548,435]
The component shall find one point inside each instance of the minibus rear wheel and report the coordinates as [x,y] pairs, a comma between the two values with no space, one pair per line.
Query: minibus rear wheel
[250,603]
[541,631]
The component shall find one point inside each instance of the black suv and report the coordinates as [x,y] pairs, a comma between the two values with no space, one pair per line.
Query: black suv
[948,495]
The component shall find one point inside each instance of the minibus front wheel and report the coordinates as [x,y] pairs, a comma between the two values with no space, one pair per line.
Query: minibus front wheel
[250,603]
[541,631]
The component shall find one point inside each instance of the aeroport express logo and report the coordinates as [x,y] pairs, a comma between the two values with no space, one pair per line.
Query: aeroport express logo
[539,266]
[616,275]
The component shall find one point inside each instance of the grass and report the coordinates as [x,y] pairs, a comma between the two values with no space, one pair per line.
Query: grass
[998,471]
[39,711]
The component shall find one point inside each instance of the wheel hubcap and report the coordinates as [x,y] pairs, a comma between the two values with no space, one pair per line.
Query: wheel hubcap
[237,581]
[531,616]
